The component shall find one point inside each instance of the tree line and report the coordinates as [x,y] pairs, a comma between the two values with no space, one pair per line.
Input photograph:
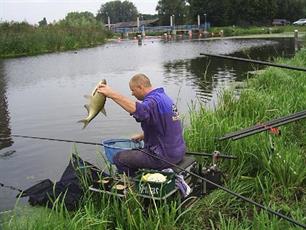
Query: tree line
[218,12]
[246,12]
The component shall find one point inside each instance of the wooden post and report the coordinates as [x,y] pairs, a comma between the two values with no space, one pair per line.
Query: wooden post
[296,40]
[108,22]
[138,23]
[199,21]
[139,39]
[221,33]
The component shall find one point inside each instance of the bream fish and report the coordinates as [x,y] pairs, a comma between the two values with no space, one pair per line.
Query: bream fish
[96,105]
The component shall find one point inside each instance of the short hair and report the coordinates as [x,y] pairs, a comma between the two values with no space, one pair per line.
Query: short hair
[141,79]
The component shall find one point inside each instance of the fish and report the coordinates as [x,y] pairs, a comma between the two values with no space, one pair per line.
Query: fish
[96,105]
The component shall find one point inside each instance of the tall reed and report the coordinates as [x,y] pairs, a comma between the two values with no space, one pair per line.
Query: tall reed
[22,39]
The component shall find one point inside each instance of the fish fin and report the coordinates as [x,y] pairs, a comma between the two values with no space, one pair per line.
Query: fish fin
[87,96]
[94,92]
[87,108]
[104,112]
[85,122]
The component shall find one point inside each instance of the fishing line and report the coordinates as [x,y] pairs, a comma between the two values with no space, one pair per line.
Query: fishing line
[229,191]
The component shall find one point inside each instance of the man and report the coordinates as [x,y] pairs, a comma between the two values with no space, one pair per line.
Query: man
[162,130]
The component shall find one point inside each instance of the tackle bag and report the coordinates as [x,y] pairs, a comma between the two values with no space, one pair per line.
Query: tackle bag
[67,190]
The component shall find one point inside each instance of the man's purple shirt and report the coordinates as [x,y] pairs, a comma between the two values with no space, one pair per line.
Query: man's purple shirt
[161,125]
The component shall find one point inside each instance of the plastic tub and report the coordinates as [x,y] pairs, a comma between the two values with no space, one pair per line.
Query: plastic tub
[113,146]
[155,189]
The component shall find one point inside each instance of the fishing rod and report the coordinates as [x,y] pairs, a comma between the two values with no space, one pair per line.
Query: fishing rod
[267,128]
[54,139]
[255,61]
[10,187]
[210,155]
[94,143]
[263,127]
[191,173]
[258,126]
[229,191]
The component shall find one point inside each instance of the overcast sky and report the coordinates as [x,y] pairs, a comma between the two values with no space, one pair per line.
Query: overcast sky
[33,11]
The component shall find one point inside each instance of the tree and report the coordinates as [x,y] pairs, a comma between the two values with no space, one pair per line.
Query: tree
[291,9]
[168,8]
[117,11]
[80,19]
[149,16]
[246,12]
[43,22]
[214,10]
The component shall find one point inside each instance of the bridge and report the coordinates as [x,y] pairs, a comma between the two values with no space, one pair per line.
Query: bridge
[164,29]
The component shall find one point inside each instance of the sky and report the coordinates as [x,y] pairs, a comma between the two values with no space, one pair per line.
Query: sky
[33,11]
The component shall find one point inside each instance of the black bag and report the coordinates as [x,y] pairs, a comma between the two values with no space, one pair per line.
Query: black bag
[68,189]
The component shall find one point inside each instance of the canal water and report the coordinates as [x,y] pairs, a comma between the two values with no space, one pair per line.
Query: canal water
[43,96]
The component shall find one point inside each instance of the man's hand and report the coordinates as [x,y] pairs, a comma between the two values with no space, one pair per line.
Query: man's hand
[126,103]
[106,90]
[138,137]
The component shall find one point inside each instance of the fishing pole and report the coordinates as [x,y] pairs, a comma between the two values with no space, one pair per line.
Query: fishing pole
[259,126]
[266,128]
[10,187]
[229,191]
[210,155]
[54,139]
[263,127]
[94,143]
[255,61]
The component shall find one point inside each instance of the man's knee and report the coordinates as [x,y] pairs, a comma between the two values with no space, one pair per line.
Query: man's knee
[116,159]
[121,159]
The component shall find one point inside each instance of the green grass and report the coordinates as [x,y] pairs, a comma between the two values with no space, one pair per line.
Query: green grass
[274,178]
[22,39]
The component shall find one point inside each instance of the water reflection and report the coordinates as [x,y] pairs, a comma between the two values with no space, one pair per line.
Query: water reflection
[208,75]
[5,131]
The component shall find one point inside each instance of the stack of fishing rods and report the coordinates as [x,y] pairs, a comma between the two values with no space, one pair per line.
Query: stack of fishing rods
[265,126]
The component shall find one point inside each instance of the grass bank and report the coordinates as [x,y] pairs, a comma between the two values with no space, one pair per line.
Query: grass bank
[23,39]
[270,169]
[229,31]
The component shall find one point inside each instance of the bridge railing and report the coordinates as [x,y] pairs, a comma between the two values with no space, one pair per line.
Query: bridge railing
[159,28]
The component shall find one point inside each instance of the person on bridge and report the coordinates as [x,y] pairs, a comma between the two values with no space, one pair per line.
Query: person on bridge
[160,122]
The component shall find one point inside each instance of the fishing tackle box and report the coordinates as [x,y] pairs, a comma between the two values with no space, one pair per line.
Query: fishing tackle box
[155,189]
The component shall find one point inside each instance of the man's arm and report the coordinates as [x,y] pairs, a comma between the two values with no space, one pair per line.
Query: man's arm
[126,103]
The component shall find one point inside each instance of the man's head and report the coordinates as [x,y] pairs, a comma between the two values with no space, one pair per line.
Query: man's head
[140,86]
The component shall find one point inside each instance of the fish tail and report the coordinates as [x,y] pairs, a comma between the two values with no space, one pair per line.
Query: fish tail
[85,122]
